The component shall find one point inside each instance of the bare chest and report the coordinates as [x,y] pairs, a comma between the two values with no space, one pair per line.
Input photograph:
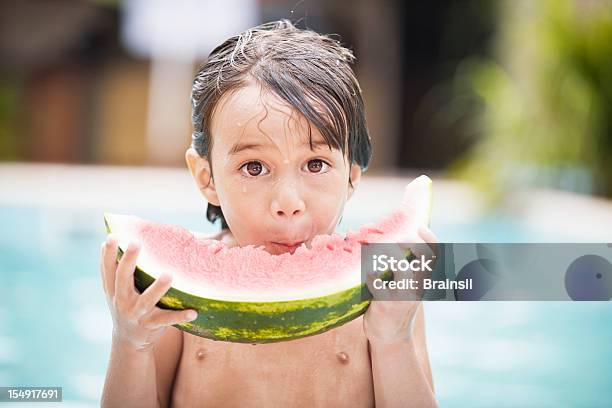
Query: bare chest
[330,369]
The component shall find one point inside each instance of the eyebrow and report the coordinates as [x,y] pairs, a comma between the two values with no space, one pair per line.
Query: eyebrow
[239,147]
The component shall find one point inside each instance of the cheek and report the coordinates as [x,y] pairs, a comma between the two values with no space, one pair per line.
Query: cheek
[326,202]
[241,200]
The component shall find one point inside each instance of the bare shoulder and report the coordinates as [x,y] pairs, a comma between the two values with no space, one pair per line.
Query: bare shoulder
[167,352]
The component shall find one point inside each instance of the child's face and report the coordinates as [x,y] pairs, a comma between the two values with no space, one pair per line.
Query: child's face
[273,189]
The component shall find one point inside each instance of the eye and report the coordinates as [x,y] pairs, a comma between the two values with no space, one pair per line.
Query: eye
[317,166]
[253,169]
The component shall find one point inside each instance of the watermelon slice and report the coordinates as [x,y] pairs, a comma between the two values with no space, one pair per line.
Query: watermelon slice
[247,295]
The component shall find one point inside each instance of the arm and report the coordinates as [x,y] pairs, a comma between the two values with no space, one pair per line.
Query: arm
[401,370]
[130,378]
[145,351]
[135,376]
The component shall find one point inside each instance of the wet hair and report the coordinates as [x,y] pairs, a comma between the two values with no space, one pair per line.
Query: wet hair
[310,71]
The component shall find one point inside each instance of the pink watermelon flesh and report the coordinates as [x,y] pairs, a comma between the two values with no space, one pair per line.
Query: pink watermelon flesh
[211,269]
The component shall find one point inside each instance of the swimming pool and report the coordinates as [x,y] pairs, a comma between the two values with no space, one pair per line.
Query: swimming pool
[55,328]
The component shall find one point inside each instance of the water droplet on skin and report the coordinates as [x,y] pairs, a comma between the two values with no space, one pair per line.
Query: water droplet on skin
[201,354]
[238,124]
[244,190]
[286,161]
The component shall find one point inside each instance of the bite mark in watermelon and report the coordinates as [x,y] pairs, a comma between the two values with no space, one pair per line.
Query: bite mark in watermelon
[248,295]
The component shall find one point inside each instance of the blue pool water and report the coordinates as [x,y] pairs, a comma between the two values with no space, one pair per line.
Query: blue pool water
[55,329]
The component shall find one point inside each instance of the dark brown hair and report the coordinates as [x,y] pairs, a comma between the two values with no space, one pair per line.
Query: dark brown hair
[310,71]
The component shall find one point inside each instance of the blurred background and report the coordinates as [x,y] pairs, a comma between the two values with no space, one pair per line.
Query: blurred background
[507,105]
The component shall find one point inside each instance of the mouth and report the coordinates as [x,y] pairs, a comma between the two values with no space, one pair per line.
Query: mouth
[290,247]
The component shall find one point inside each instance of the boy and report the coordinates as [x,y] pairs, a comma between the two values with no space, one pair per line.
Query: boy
[279,144]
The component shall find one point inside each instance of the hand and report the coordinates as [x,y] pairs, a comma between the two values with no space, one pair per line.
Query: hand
[391,314]
[137,322]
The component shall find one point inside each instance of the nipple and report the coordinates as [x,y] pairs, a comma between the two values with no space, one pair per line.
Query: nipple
[201,354]
[342,357]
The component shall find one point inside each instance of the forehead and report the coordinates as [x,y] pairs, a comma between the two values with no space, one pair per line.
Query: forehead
[251,113]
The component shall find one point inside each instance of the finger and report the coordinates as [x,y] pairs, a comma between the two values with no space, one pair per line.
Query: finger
[405,289]
[429,237]
[124,282]
[410,280]
[109,264]
[418,249]
[377,293]
[150,297]
[161,318]
[425,260]
[102,274]
[370,283]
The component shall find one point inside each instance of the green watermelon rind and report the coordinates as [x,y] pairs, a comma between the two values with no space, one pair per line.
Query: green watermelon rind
[260,322]
[263,322]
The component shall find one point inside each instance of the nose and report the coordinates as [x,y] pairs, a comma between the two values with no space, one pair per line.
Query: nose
[287,202]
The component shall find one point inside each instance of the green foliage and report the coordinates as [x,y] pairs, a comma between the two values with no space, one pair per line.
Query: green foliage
[542,109]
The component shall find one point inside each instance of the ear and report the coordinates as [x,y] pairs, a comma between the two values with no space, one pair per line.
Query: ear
[201,171]
[355,177]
